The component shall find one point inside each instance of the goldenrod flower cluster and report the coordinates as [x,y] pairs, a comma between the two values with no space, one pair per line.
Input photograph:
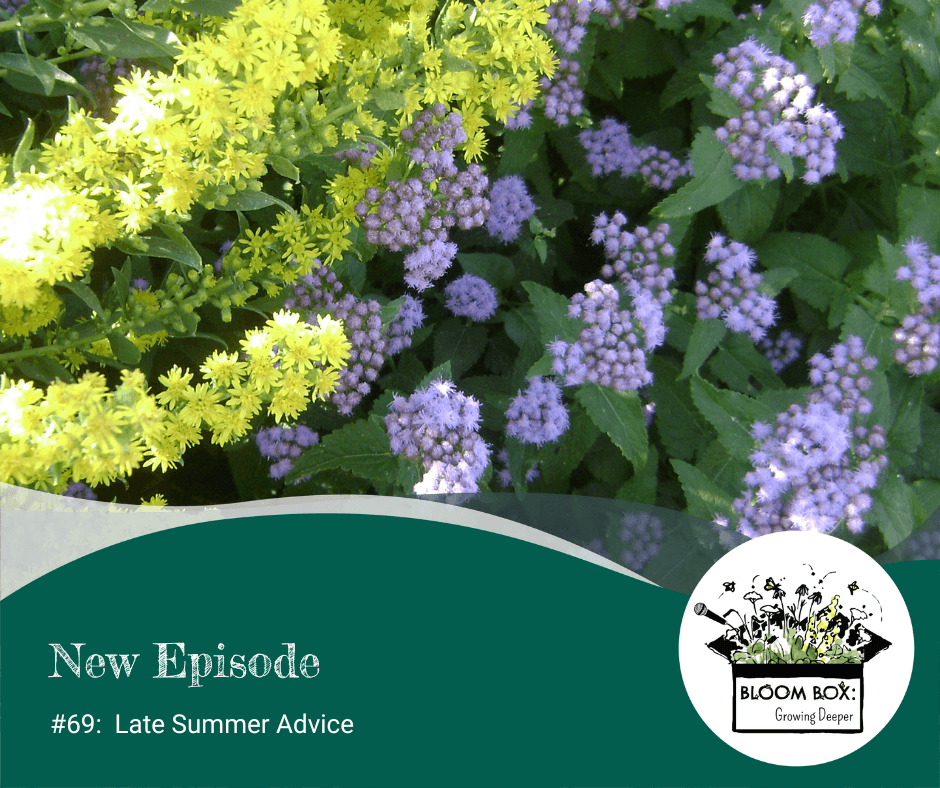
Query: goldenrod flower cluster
[85,432]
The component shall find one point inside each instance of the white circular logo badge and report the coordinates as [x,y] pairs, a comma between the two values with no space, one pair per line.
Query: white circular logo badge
[796,648]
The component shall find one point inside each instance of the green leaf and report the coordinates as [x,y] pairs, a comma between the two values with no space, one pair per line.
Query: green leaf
[907,396]
[551,310]
[440,372]
[521,147]
[681,428]
[928,494]
[927,130]
[516,453]
[43,369]
[703,497]
[620,416]
[731,414]
[154,246]
[494,268]
[920,41]
[284,167]
[460,342]
[927,461]
[737,361]
[774,280]
[253,201]
[874,75]
[641,487]
[820,262]
[557,461]
[748,212]
[85,294]
[21,155]
[892,510]
[131,40]
[388,100]
[124,350]
[634,51]
[918,209]
[44,75]
[360,448]
[706,336]
[713,182]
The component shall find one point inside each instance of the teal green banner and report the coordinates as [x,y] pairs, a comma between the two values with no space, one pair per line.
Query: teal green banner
[413,653]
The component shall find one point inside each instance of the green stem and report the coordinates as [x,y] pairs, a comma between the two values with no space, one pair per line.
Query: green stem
[336,113]
[74,56]
[57,348]
[34,21]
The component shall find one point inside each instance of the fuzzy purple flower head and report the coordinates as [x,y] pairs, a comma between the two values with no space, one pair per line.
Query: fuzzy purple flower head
[510,207]
[282,445]
[471,296]
[537,416]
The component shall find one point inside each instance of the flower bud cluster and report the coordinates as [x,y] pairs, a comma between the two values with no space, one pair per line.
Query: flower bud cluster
[510,207]
[836,20]
[537,416]
[731,291]
[361,157]
[918,337]
[636,257]
[282,445]
[660,169]
[640,534]
[612,347]
[923,545]
[503,475]
[411,213]
[471,296]
[782,351]
[320,292]
[564,97]
[609,149]
[439,426]
[775,111]
[520,117]
[567,22]
[816,467]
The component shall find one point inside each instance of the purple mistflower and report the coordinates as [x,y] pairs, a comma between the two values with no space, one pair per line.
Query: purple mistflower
[564,97]
[567,22]
[918,336]
[815,468]
[597,546]
[636,258]
[640,536]
[438,425]
[519,117]
[836,20]
[412,214]
[80,490]
[537,416]
[321,293]
[471,296]
[139,284]
[612,349]
[782,351]
[731,292]
[660,169]
[776,112]
[510,206]
[609,149]
[923,545]
[282,444]
[223,250]
[502,474]
[10,7]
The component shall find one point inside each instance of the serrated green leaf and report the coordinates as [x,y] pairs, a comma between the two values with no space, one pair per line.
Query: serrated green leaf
[920,41]
[551,310]
[620,416]
[738,360]
[874,75]
[731,414]
[927,130]
[713,182]
[703,497]
[440,372]
[124,350]
[641,487]
[892,510]
[635,51]
[521,147]
[907,396]
[706,336]
[927,492]
[927,459]
[557,461]
[820,262]
[360,448]
[776,279]
[918,209]
[682,429]
[748,212]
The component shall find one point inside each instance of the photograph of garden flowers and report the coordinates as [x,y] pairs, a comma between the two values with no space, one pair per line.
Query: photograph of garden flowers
[676,253]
